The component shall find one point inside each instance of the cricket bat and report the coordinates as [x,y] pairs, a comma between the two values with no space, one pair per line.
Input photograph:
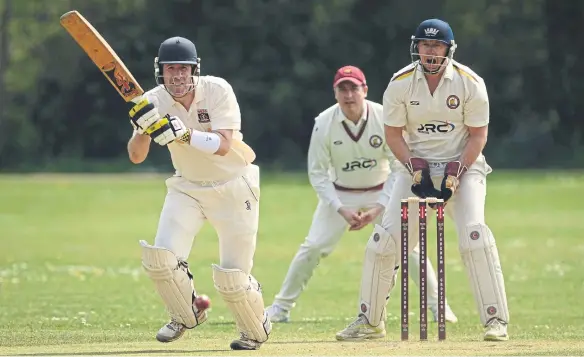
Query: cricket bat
[101,53]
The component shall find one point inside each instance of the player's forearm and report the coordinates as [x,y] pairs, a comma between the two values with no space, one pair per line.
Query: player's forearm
[325,190]
[216,142]
[226,137]
[397,144]
[473,149]
[138,148]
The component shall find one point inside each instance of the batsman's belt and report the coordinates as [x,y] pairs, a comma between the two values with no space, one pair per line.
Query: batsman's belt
[365,189]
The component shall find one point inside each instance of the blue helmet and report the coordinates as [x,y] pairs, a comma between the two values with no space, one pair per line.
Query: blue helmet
[433,29]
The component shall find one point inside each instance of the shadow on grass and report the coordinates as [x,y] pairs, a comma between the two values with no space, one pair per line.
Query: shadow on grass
[117,353]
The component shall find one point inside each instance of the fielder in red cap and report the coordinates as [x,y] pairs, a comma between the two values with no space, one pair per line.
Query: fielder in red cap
[348,165]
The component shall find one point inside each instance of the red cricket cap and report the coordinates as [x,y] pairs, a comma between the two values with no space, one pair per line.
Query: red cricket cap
[349,73]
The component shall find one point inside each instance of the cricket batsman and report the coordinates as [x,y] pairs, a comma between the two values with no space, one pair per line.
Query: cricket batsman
[444,108]
[348,164]
[198,119]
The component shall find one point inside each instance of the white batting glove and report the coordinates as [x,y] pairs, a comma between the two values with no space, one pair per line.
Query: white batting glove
[169,129]
[143,115]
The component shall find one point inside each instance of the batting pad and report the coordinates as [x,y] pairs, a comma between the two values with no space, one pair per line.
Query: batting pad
[481,259]
[379,274]
[242,294]
[173,282]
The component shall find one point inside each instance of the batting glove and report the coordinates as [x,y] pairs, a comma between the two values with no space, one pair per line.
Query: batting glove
[169,129]
[143,115]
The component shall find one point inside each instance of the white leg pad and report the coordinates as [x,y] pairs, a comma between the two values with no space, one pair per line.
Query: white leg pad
[481,259]
[173,282]
[243,296]
[379,275]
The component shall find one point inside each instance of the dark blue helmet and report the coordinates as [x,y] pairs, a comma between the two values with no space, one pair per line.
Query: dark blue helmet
[176,50]
[433,29]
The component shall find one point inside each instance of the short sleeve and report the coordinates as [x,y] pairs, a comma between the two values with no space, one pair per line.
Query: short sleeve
[394,108]
[224,112]
[476,108]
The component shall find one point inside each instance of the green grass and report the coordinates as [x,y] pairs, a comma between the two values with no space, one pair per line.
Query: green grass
[71,281]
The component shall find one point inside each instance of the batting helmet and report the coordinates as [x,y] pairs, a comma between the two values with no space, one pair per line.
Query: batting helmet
[176,50]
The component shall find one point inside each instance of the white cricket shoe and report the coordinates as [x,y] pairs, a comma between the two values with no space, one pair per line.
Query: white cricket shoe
[496,330]
[174,330]
[360,330]
[278,314]
[448,314]
[246,343]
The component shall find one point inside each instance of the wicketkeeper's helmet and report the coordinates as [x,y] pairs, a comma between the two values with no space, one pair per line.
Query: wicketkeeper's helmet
[433,29]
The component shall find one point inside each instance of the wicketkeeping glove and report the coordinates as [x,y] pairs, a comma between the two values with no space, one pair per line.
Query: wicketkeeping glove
[143,115]
[452,173]
[420,171]
[168,129]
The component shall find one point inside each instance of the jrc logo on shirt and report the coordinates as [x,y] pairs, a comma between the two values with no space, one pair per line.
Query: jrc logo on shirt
[436,126]
[361,163]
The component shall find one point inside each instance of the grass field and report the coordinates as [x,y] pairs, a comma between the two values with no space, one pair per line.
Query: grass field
[71,282]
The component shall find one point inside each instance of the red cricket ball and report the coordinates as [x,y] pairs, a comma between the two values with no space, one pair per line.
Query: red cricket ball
[202,302]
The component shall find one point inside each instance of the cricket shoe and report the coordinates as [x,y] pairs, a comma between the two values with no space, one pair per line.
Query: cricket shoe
[278,314]
[246,343]
[448,314]
[496,330]
[360,330]
[174,330]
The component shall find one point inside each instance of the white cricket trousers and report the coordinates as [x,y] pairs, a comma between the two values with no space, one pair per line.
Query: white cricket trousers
[231,207]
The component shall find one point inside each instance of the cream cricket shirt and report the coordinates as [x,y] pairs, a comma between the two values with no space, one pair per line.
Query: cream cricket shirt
[215,107]
[436,124]
[347,154]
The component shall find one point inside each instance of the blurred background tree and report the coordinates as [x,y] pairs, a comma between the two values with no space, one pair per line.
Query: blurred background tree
[57,113]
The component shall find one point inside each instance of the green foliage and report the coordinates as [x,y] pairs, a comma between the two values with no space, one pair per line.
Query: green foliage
[280,57]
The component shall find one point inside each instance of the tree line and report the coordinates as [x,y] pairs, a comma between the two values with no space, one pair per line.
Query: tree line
[58,113]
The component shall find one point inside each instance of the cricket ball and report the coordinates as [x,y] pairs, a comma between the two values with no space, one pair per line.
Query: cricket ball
[202,302]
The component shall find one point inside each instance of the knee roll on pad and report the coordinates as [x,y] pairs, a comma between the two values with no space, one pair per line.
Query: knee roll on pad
[481,259]
[242,294]
[173,282]
[379,274]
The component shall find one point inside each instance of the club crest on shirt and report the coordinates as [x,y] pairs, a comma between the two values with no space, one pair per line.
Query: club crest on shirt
[452,101]
[203,116]
[375,141]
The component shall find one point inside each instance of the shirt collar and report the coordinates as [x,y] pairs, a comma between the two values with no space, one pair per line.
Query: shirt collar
[199,92]
[199,95]
[341,117]
[448,71]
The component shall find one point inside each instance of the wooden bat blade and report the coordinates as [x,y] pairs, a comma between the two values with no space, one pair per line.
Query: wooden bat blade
[104,57]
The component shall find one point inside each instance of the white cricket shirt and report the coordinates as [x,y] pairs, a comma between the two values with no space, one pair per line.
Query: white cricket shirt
[437,124]
[215,107]
[349,155]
